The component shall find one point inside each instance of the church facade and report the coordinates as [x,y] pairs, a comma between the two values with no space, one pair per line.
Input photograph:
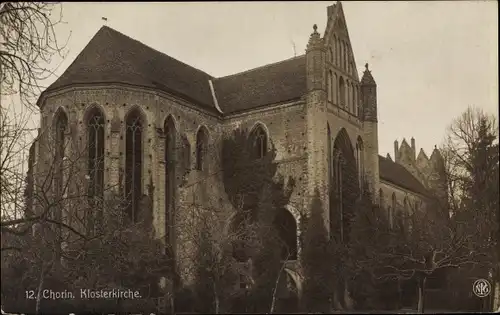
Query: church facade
[140,123]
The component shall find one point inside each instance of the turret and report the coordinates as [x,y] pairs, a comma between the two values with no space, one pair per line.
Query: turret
[368,116]
[316,119]
[315,59]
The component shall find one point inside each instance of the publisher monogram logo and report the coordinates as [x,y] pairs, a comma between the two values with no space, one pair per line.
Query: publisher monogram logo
[481,288]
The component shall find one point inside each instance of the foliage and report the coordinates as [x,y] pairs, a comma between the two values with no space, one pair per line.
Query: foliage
[257,193]
[317,260]
[30,42]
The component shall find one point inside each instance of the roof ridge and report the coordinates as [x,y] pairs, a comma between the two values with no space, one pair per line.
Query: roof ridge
[154,49]
[261,67]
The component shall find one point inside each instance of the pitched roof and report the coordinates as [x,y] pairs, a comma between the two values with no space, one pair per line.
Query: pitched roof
[400,176]
[270,84]
[112,57]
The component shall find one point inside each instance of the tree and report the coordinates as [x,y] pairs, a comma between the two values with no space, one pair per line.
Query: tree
[257,193]
[122,256]
[427,240]
[471,151]
[61,237]
[15,141]
[317,260]
[29,42]
[214,268]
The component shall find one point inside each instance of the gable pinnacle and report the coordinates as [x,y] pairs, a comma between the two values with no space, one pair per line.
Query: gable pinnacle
[367,78]
[314,39]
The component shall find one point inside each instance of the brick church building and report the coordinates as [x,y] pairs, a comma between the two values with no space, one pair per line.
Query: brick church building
[139,115]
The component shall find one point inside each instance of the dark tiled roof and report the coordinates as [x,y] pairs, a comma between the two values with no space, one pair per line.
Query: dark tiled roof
[111,56]
[270,84]
[400,176]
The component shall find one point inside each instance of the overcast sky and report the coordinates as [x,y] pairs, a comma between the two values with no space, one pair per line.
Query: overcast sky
[431,59]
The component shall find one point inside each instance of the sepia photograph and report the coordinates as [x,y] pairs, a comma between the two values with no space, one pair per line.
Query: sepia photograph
[272,157]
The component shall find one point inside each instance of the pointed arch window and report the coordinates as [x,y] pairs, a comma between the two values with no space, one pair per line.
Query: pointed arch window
[341,60]
[95,146]
[392,210]
[169,159]
[201,149]
[133,164]
[259,142]
[344,60]
[336,50]
[334,89]
[348,96]
[408,214]
[329,89]
[95,166]
[341,92]
[355,100]
[60,131]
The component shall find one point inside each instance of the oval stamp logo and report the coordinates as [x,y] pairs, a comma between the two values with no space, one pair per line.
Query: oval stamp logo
[481,288]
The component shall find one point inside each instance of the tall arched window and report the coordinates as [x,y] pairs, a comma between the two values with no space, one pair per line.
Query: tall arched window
[342,55]
[347,62]
[330,57]
[286,227]
[337,52]
[407,211]
[329,89]
[360,162]
[334,89]
[95,146]
[259,142]
[348,96]
[170,163]
[345,187]
[95,169]
[355,99]
[344,60]
[341,92]
[393,210]
[201,148]
[60,131]
[133,163]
